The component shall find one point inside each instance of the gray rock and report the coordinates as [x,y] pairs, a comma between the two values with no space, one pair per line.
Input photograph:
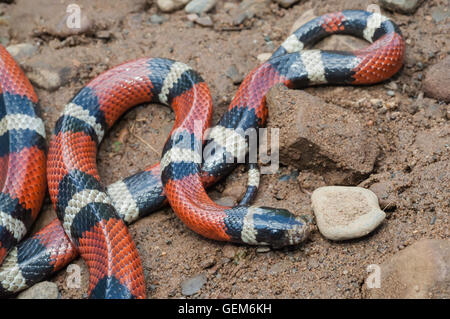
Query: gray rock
[171,5]
[250,8]
[4,40]
[233,73]
[204,21]
[435,111]
[193,285]
[42,290]
[421,270]
[208,262]
[22,50]
[103,34]
[403,6]
[200,6]
[439,14]
[385,192]
[49,73]
[287,3]
[437,80]
[157,19]
[346,212]
[318,136]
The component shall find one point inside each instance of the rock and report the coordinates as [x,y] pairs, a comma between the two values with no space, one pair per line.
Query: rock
[4,41]
[192,17]
[277,268]
[157,19]
[42,290]
[204,21]
[403,6]
[103,34]
[263,57]
[193,285]
[45,79]
[233,73]
[287,3]
[229,251]
[437,80]
[60,28]
[421,270]
[234,189]
[390,93]
[385,192]
[439,14]
[346,212]
[304,18]
[208,262]
[250,8]
[200,6]
[263,249]
[22,50]
[226,201]
[171,5]
[48,72]
[435,111]
[321,137]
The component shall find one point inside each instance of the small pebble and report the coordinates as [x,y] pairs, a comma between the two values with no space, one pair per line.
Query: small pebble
[346,212]
[157,19]
[200,6]
[193,285]
[21,50]
[171,5]
[439,14]
[233,73]
[287,3]
[263,249]
[390,93]
[104,34]
[192,17]
[263,57]
[403,6]
[208,262]
[42,290]
[229,251]
[204,21]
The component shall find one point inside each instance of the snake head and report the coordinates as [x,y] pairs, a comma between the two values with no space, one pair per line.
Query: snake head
[274,226]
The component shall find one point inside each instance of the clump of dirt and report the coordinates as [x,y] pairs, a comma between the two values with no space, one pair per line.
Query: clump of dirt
[412,169]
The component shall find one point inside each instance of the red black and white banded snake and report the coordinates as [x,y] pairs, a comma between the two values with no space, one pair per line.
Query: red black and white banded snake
[86,208]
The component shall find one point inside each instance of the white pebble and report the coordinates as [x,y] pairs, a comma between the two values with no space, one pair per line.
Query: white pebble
[346,212]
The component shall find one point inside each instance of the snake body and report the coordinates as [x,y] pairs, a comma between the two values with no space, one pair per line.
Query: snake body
[87,210]
[22,154]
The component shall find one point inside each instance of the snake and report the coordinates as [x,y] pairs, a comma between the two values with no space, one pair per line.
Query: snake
[92,219]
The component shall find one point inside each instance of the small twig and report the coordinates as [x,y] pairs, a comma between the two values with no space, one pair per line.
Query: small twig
[145,143]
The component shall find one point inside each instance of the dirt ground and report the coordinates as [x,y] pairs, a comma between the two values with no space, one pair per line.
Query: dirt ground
[414,146]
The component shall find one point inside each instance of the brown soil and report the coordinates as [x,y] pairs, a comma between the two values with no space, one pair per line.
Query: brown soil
[414,163]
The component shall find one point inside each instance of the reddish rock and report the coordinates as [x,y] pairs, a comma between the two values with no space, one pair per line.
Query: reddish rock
[437,81]
[320,136]
[422,270]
